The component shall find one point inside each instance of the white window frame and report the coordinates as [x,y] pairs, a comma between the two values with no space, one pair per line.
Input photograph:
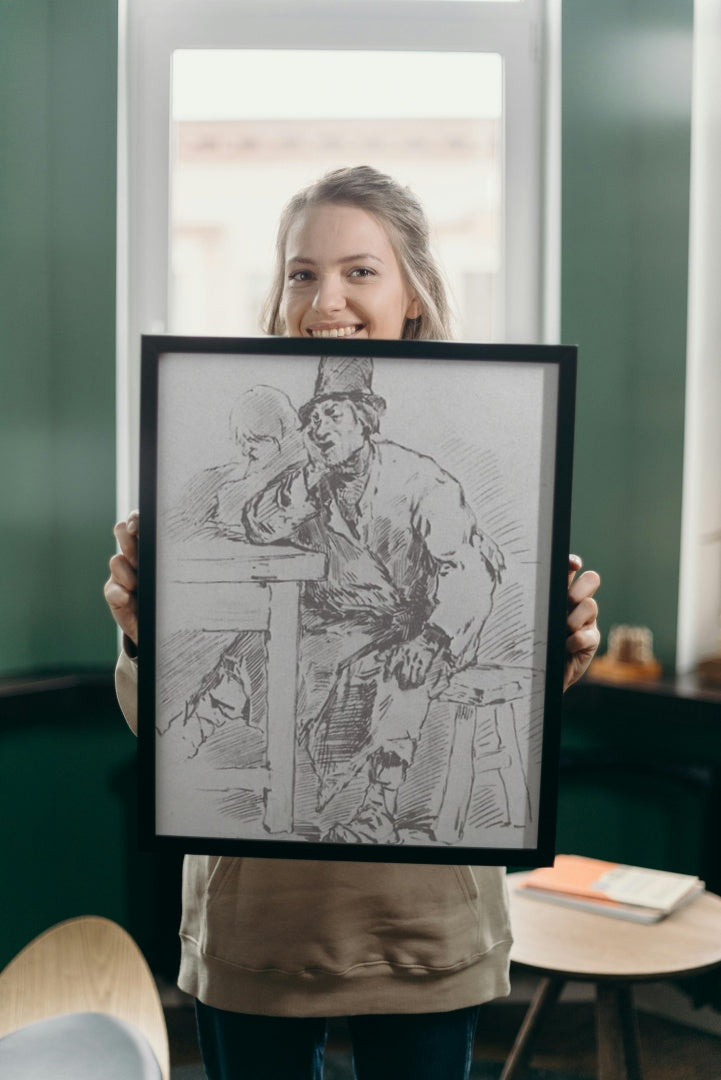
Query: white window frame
[699,597]
[526,34]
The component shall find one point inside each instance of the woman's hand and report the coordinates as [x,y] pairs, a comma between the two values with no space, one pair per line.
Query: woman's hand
[582,634]
[121,587]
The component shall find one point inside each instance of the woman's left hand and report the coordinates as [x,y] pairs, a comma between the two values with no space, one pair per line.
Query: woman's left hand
[582,634]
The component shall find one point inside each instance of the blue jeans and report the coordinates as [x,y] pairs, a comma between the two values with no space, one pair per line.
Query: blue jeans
[414,1046]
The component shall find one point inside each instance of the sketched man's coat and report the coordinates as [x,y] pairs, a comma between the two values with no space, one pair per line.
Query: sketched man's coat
[414,548]
[404,554]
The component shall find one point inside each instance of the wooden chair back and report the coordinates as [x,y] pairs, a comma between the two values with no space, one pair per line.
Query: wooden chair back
[87,964]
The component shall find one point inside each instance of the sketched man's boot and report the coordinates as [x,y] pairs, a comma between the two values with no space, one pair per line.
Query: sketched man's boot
[375,821]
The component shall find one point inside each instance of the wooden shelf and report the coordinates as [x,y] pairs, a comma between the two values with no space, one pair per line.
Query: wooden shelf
[681,697]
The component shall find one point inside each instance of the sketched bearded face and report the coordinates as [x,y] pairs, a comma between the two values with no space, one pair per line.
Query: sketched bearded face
[335,430]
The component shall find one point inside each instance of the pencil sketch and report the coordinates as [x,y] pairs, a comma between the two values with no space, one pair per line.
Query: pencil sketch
[264,438]
[347,653]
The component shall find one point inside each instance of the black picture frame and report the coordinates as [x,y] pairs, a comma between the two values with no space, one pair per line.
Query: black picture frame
[353,654]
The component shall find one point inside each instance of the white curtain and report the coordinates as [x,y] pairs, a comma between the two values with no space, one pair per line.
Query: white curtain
[700,587]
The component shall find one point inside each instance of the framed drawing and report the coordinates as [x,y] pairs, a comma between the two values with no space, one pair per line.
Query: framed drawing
[352,597]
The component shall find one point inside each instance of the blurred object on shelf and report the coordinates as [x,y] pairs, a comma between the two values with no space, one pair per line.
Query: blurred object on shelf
[708,669]
[629,656]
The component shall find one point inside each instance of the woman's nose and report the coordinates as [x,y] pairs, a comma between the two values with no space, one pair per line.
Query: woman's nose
[329,295]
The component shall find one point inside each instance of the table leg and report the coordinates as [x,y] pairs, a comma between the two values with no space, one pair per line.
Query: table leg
[617,1033]
[283,630]
[545,997]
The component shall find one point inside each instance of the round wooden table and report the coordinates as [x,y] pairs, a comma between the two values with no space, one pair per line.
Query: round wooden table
[562,944]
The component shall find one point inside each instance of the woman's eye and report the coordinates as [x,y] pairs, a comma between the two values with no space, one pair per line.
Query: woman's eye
[362,272]
[300,276]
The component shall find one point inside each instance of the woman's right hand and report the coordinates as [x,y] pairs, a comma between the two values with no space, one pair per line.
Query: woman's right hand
[121,587]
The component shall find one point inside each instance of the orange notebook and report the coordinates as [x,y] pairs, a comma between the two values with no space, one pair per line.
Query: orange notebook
[632,892]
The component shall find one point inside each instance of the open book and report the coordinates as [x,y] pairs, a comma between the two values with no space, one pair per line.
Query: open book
[608,888]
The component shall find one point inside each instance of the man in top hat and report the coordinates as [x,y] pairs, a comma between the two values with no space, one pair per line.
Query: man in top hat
[409,585]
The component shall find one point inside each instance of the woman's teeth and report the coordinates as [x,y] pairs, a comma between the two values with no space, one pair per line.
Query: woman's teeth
[336,332]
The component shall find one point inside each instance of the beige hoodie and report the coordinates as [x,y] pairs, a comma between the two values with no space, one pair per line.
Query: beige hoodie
[284,937]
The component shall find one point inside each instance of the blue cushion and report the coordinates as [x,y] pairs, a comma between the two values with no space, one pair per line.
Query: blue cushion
[78,1046]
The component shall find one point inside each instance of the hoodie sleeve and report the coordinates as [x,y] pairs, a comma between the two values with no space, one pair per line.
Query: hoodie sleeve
[126,688]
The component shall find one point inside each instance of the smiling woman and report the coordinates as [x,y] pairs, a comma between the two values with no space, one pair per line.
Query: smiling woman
[331,292]
[353,259]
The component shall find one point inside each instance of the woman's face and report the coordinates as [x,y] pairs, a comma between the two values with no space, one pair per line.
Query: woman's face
[342,277]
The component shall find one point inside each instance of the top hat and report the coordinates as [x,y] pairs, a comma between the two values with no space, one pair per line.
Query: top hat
[343,377]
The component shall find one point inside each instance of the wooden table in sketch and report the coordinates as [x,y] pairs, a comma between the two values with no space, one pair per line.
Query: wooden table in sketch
[233,586]
[563,944]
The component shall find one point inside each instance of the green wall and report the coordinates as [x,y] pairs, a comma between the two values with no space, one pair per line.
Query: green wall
[66,759]
[58,72]
[626,145]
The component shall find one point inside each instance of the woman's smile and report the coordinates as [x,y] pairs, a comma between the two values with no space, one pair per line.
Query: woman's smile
[334,331]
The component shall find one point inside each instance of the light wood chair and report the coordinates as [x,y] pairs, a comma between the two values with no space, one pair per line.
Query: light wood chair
[84,965]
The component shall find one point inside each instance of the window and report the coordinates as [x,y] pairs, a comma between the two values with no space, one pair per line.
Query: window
[699,623]
[227,107]
[236,160]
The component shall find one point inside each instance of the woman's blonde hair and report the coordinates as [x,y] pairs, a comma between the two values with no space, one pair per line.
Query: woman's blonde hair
[400,212]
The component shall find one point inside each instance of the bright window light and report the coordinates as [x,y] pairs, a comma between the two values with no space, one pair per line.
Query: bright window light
[261,84]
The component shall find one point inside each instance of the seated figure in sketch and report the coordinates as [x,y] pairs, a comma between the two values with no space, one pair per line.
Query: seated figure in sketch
[265,436]
[265,429]
[409,586]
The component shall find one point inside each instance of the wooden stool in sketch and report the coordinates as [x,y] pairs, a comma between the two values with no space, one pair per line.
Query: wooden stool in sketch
[485,740]
[563,944]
